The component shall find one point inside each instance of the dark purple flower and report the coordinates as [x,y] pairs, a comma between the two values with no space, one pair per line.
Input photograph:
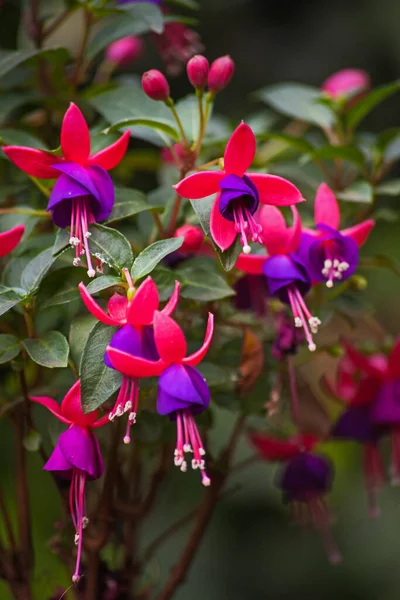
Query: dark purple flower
[385,409]
[287,339]
[77,448]
[283,272]
[182,387]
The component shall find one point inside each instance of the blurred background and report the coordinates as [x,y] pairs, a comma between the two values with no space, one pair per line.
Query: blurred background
[251,551]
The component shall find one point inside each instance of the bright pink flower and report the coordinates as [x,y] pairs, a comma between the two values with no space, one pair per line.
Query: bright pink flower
[347,82]
[193,238]
[76,456]
[239,192]
[155,85]
[197,71]
[10,239]
[124,51]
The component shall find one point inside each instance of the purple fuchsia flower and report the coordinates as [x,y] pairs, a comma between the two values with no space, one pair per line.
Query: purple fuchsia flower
[134,316]
[84,191]
[332,255]
[239,192]
[182,390]
[304,479]
[76,456]
[10,239]
[286,274]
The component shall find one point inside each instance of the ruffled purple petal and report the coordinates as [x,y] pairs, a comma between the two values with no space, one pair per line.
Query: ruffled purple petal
[356,424]
[59,464]
[80,449]
[386,408]
[181,387]
[306,476]
[105,189]
[127,339]
[332,246]
[234,188]
[149,347]
[283,270]
[304,247]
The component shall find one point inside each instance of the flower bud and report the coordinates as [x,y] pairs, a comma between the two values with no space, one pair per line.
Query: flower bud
[124,51]
[220,74]
[168,158]
[197,71]
[155,85]
[347,82]
[193,238]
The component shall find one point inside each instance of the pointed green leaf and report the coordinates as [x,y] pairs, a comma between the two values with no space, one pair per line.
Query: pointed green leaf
[103,283]
[128,203]
[360,191]
[152,255]
[36,269]
[372,99]
[204,286]
[61,287]
[111,247]
[8,299]
[11,59]
[9,347]
[159,125]
[51,350]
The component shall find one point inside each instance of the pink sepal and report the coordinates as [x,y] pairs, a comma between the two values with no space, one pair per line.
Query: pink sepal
[169,338]
[363,362]
[199,185]
[223,232]
[274,230]
[251,263]
[275,449]
[173,301]
[326,209]
[110,157]
[75,137]
[10,239]
[52,406]
[276,190]
[198,356]
[359,233]
[35,163]
[95,309]
[143,304]
[71,408]
[134,366]
[294,232]
[394,360]
[117,307]
[240,150]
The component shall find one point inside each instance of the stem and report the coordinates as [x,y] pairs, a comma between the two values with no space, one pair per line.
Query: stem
[206,166]
[81,54]
[25,211]
[30,328]
[204,116]
[174,215]
[7,524]
[159,225]
[55,24]
[170,104]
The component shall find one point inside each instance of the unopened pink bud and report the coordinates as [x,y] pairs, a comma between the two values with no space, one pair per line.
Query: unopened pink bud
[155,85]
[197,71]
[346,82]
[220,74]
[124,51]
[168,157]
[194,238]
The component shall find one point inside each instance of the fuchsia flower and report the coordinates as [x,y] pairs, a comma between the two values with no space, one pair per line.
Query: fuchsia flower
[76,456]
[134,316]
[304,479]
[347,82]
[182,390]
[10,239]
[239,192]
[286,274]
[332,254]
[84,192]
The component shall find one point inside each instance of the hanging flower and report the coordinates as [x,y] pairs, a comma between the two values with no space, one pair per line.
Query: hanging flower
[304,479]
[10,239]
[239,193]
[182,390]
[84,191]
[332,255]
[134,316]
[286,274]
[76,456]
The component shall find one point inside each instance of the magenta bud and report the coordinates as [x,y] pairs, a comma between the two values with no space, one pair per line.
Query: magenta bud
[193,238]
[155,85]
[197,71]
[125,51]
[220,74]
[347,82]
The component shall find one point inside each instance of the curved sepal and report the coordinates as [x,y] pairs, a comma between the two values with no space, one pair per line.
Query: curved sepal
[223,232]
[275,190]
[294,232]
[173,301]
[359,233]
[326,209]
[169,338]
[240,150]
[251,263]
[134,366]
[196,357]
[143,304]
[71,408]
[10,239]
[75,137]
[52,406]
[95,309]
[110,157]
[33,162]
[363,362]
[276,449]
[199,185]
[274,230]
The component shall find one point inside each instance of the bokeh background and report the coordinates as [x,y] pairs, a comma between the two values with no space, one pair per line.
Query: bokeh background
[251,551]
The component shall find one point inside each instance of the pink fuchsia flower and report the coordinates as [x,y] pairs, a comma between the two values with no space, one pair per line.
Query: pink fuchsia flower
[10,239]
[239,192]
[76,456]
[182,390]
[287,275]
[134,316]
[332,255]
[348,82]
[124,51]
[304,479]
[84,192]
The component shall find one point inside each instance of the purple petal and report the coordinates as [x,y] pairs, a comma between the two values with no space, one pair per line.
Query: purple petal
[234,188]
[182,387]
[59,464]
[355,424]
[283,270]
[303,248]
[386,407]
[105,189]
[80,448]
[332,245]
[306,476]
[149,348]
[127,339]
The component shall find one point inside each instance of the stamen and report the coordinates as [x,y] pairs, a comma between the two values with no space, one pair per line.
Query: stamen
[81,217]
[301,315]
[189,441]
[334,267]
[246,226]
[79,479]
[127,401]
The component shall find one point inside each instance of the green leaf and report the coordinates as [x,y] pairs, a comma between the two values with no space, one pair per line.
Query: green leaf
[129,202]
[79,333]
[10,102]
[61,242]
[202,208]
[150,257]
[296,143]
[389,188]
[61,287]
[98,382]
[18,137]
[360,191]
[103,283]
[9,347]
[204,286]
[297,101]
[11,59]
[364,106]
[165,281]
[51,350]
[136,20]
[8,299]
[159,125]
[350,153]
[111,247]
[36,269]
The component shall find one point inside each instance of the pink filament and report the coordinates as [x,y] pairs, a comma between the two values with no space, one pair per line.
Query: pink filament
[302,316]
[81,217]
[127,401]
[246,225]
[188,440]
[78,509]
[374,473]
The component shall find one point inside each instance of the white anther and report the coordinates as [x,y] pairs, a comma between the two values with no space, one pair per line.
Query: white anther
[132,417]
[206,481]
[344,266]
[246,249]
[76,539]
[85,522]
[184,466]
[195,464]
[127,406]
[336,263]
[127,439]
[298,322]
[75,578]
[91,273]
[187,448]
[120,411]
[312,347]
[76,261]
[202,452]
[327,264]
[88,234]
[329,283]
[73,241]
